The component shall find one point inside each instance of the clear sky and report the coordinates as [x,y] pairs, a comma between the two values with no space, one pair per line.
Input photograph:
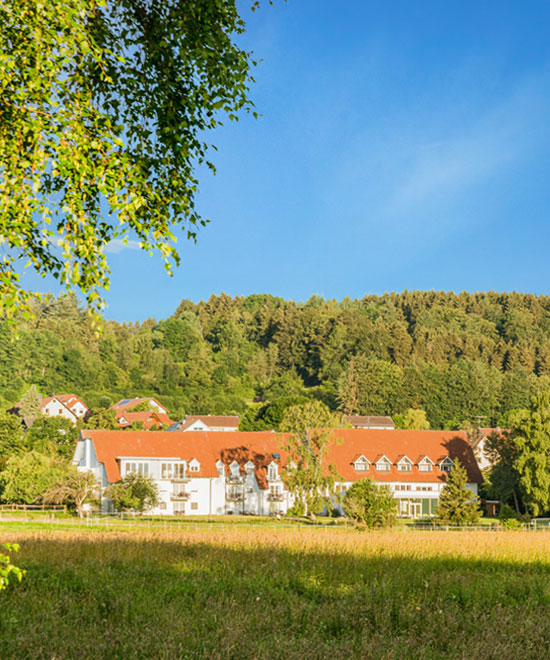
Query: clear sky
[402,145]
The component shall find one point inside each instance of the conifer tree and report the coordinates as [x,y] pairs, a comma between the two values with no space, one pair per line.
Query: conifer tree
[457,503]
[31,404]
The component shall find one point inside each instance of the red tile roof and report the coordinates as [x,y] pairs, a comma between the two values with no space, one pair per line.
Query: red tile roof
[210,446]
[128,404]
[148,417]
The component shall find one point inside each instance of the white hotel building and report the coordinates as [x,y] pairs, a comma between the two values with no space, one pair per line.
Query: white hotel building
[215,473]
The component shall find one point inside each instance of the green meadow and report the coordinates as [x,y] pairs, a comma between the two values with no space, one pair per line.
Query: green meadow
[259,592]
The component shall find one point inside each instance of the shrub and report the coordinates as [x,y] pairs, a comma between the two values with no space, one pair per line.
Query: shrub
[370,504]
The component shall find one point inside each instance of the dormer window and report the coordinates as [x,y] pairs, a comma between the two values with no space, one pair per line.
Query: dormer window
[446,464]
[361,464]
[221,468]
[249,467]
[235,469]
[404,465]
[272,472]
[425,465]
[194,466]
[383,464]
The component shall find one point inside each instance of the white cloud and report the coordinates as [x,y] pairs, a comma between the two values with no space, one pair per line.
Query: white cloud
[117,245]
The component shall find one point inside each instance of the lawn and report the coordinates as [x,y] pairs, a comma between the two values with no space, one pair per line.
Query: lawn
[263,592]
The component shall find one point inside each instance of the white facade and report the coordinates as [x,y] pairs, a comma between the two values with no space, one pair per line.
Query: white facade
[55,408]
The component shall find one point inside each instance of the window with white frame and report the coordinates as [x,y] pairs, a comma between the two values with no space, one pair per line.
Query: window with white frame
[446,464]
[221,468]
[272,472]
[235,469]
[361,464]
[383,465]
[194,466]
[404,465]
[138,468]
[425,465]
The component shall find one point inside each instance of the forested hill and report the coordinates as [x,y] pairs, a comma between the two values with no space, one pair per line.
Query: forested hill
[460,357]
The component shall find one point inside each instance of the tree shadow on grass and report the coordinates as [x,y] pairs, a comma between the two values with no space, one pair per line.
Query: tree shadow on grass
[113,596]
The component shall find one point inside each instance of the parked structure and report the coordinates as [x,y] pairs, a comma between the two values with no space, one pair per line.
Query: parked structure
[210,473]
[369,422]
[207,423]
[68,406]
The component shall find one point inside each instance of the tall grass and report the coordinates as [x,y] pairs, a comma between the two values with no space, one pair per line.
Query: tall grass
[289,593]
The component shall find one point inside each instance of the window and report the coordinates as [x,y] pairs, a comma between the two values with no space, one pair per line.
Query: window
[162,506]
[404,465]
[235,469]
[194,466]
[446,464]
[383,465]
[194,506]
[272,472]
[138,468]
[166,471]
[425,465]
[361,464]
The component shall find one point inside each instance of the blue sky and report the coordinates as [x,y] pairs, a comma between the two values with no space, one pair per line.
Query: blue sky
[402,145]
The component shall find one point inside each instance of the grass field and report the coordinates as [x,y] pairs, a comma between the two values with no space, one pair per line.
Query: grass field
[276,593]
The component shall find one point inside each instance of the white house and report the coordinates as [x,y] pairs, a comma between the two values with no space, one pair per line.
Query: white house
[129,404]
[207,423]
[213,473]
[68,406]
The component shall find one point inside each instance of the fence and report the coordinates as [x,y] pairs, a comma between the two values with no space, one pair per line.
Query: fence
[46,508]
[119,521]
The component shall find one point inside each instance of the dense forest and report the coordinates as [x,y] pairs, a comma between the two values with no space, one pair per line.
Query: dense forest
[463,358]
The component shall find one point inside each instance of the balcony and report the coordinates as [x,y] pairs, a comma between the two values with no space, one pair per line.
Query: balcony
[234,497]
[180,496]
[180,480]
[275,497]
[232,479]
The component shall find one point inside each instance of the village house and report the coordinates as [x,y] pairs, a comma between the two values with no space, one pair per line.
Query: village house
[207,423]
[214,473]
[68,406]
[369,422]
[129,405]
[147,419]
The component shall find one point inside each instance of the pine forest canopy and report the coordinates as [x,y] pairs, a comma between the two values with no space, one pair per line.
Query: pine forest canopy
[104,107]
[466,357]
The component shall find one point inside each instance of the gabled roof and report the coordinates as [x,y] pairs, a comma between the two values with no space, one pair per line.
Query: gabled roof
[149,418]
[129,404]
[260,446]
[375,443]
[368,421]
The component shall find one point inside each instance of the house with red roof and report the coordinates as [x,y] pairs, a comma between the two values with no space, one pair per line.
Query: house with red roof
[68,406]
[147,419]
[211,473]
[129,404]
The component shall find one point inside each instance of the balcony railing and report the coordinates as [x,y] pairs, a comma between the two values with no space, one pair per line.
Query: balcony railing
[179,496]
[275,497]
[234,497]
[235,479]
[180,480]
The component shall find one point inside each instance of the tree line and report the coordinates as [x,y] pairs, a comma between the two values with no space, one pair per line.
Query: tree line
[463,358]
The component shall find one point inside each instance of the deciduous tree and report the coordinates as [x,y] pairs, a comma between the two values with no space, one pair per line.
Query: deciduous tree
[310,428]
[135,492]
[103,115]
[531,434]
[370,504]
